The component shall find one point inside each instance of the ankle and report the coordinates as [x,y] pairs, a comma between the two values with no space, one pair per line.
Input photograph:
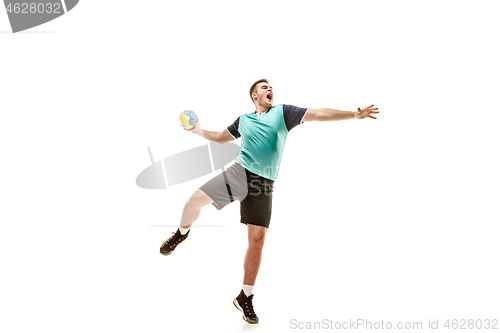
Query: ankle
[184,231]
[248,290]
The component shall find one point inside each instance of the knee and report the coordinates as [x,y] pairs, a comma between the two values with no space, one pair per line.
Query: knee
[257,241]
[198,199]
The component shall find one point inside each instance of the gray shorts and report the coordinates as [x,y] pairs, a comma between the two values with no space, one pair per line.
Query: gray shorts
[252,191]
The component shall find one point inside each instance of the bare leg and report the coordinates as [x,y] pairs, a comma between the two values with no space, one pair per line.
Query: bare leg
[256,237]
[193,206]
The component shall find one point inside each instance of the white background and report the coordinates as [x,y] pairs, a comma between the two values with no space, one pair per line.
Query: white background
[393,219]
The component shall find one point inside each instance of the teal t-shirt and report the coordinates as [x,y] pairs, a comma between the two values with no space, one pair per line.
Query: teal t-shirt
[263,137]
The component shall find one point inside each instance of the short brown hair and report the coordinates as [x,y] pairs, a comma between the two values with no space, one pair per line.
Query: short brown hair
[252,88]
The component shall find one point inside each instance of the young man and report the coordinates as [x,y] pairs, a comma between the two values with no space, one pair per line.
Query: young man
[251,178]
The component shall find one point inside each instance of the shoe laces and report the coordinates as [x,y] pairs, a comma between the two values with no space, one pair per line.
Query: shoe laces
[249,305]
[176,242]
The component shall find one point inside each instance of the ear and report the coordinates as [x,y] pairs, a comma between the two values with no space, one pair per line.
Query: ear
[254,96]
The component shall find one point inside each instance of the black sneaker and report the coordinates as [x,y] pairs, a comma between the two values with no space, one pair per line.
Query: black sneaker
[244,304]
[170,244]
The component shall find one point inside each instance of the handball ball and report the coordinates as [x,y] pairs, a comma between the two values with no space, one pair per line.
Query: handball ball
[188,119]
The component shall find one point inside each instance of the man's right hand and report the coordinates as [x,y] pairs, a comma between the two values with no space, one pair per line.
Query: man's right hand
[196,128]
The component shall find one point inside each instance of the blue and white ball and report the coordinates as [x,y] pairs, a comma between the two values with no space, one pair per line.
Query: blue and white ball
[188,119]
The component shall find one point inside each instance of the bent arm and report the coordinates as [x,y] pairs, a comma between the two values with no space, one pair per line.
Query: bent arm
[223,136]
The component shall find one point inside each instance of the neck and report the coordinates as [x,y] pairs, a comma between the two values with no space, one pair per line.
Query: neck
[261,108]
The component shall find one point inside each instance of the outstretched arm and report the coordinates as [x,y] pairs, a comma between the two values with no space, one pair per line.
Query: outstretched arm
[223,136]
[331,114]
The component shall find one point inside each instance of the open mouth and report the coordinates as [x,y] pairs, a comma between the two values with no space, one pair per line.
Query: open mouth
[269,96]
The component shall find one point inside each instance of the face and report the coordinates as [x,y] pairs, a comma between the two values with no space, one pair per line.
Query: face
[264,94]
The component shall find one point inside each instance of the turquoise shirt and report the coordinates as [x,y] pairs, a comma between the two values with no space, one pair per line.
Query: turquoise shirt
[263,137]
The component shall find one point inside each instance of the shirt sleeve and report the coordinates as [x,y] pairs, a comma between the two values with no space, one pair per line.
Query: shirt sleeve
[293,115]
[233,129]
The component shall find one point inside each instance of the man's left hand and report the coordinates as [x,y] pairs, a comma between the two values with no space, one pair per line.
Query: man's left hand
[366,112]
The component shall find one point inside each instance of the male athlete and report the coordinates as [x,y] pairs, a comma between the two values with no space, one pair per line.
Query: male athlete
[250,179]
